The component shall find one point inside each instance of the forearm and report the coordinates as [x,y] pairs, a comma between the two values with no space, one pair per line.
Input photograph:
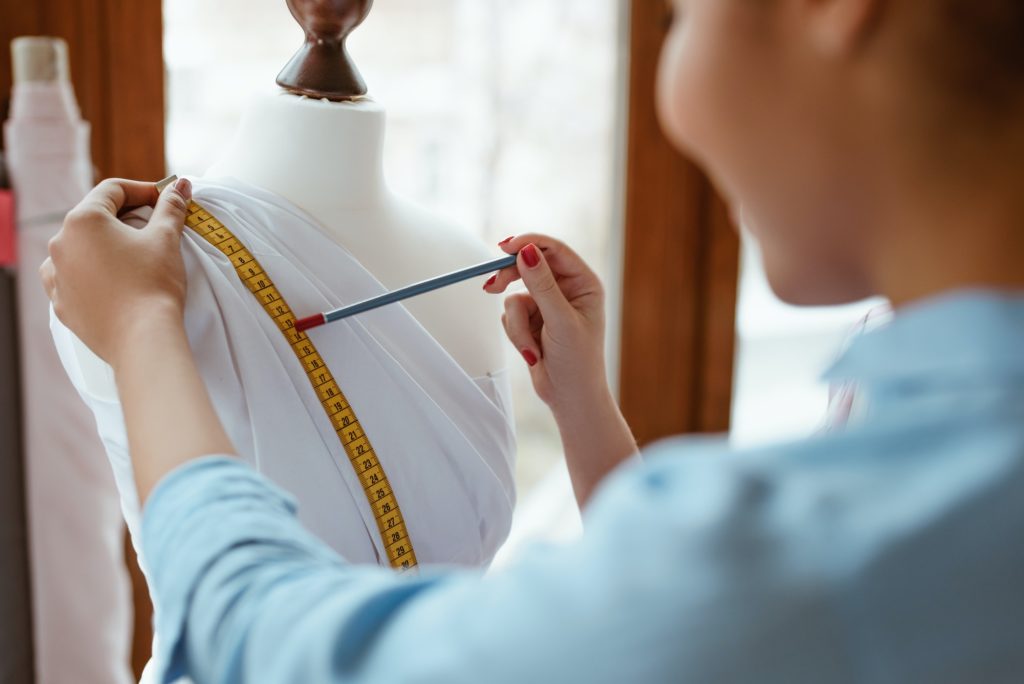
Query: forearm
[245,588]
[596,439]
[247,594]
[168,413]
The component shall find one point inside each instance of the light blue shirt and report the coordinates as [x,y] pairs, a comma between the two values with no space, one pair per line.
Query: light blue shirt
[893,552]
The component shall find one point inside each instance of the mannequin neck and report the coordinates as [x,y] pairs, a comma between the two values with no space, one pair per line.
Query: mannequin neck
[321,156]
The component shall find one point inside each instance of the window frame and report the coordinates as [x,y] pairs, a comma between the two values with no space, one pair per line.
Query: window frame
[680,270]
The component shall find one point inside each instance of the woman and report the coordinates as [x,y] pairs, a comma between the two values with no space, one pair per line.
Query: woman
[874,147]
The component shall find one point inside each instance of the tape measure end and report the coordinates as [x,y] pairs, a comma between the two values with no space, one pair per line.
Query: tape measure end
[308,322]
[165,182]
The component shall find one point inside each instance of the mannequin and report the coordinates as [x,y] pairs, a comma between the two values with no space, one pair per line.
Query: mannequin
[325,156]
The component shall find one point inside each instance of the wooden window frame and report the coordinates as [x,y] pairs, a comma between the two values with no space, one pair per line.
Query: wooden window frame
[680,270]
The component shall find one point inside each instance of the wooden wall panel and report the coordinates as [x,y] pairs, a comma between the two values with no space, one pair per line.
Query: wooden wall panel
[135,89]
[116,51]
[681,267]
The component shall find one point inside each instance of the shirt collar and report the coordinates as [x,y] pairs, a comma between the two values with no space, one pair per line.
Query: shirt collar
[970,333]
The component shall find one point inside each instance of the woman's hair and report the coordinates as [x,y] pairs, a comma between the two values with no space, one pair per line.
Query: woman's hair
[982,50]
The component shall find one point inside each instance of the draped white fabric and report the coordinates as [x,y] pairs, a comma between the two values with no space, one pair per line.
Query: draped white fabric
[444,439]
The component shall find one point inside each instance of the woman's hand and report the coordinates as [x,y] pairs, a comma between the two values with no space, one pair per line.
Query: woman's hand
[106,278]
[558,327]
[122,291]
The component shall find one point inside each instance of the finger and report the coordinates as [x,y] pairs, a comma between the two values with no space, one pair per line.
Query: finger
[47,274]
[561,258]
[542,284]
[171,207]
[502,279]
[520,313]
[497,283]
[115,194]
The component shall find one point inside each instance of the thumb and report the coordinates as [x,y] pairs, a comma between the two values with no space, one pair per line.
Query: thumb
[172,206]
[542,284]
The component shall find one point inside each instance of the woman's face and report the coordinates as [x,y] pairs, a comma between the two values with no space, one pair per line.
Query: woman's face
[745,90]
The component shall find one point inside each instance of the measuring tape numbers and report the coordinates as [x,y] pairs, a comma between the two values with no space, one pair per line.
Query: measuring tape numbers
[361,455]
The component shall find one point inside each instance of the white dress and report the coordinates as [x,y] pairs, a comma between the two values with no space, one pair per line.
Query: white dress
[444,439]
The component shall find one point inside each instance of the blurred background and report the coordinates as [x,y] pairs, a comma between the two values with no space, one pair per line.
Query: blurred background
[507,116]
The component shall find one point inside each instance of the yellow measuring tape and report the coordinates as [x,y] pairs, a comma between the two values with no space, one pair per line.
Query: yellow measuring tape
[343,419]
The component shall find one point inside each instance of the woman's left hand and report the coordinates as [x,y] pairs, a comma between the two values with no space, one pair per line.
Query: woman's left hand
[105,277]
[122,291]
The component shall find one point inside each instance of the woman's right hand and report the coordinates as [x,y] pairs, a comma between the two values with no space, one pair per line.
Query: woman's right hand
[558,327]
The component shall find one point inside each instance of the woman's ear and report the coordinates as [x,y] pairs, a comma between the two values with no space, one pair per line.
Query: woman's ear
[838,27]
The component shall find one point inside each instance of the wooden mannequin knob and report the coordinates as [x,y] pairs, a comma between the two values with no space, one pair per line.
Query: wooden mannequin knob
[322,66]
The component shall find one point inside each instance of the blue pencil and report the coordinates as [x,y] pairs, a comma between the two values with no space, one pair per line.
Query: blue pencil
[405,293]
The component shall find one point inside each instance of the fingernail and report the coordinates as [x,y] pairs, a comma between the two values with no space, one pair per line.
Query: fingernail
[490,281]
[529,356]
[530,256]
[184,188]
[507,240]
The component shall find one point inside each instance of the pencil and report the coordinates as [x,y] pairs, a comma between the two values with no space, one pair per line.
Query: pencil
[413,290]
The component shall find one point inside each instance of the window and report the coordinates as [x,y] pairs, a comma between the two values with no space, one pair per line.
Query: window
[781,353]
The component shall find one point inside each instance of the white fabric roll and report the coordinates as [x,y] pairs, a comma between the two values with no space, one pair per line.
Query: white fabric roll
[80,586]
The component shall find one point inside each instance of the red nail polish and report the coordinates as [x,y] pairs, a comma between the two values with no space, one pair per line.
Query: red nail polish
[530,357]
[507,240]
[530,256]
[490,281]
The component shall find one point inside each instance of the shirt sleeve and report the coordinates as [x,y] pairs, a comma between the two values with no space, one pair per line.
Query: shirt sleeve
[244,593]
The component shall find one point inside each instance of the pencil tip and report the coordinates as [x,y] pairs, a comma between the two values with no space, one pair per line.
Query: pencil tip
[308,322]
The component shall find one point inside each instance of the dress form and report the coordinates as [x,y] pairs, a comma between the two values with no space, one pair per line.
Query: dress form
[326,157]
[319,145]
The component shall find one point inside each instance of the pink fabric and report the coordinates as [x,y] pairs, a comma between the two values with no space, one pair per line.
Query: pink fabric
[80,587]
[7,253]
